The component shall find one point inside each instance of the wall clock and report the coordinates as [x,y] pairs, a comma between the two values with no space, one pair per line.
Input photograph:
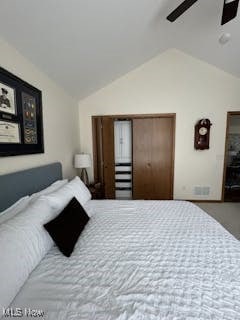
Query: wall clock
[202,134]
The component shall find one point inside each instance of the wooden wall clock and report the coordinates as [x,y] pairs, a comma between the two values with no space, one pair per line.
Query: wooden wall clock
[202,134]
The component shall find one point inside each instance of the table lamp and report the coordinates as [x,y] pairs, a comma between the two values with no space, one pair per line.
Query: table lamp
[83,161]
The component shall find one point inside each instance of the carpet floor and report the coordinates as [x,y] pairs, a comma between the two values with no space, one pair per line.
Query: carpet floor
[227,213]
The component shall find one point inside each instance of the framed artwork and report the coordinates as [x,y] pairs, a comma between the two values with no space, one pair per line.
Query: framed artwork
[21,126]
[7,99]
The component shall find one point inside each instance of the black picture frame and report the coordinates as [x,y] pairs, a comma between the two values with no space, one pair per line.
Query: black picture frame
[21,122]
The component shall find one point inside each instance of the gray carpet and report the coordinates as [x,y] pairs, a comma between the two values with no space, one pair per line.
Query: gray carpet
[228,214]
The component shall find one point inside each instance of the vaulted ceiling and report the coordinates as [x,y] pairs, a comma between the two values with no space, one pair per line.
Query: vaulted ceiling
[85,44]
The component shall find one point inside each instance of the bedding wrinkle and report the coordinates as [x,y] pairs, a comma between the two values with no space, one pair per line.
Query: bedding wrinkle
[140,260]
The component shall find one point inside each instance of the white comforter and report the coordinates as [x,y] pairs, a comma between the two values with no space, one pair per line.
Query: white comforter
[140,260]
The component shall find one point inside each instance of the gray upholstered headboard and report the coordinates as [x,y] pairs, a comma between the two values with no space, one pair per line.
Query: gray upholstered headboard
[15,185]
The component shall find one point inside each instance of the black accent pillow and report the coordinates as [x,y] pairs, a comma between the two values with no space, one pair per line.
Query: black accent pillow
[66,228]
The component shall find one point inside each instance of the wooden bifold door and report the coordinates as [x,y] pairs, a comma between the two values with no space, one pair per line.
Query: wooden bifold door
[152,158]
[152,155]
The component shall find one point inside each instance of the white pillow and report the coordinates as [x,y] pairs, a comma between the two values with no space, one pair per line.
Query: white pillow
[23,243]
[22,203]
[18,206]
[75,188]
[53,187]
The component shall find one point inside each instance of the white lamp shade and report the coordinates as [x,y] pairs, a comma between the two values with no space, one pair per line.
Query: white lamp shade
[82,161]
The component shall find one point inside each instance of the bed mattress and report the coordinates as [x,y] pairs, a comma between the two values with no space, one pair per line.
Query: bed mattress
[151,260]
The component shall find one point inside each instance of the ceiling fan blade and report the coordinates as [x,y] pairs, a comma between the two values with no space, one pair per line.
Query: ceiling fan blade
[184,6]
[230,9]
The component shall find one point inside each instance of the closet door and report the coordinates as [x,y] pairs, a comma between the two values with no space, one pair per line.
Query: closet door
[108,157]
[98,150]
[153,145]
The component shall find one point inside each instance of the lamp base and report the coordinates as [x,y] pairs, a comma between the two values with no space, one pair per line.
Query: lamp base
[84,177]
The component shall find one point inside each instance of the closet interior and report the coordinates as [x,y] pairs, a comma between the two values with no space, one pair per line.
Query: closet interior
[123,158]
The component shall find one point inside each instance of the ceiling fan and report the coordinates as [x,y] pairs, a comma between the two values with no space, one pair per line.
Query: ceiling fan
[230,8]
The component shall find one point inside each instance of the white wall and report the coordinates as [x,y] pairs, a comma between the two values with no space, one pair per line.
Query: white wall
[174,82]
[60,117]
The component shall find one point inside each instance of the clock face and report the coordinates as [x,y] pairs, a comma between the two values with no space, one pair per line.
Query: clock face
[203,131]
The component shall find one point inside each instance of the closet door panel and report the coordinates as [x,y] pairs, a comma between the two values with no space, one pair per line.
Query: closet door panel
[153,140]
[142,180]
[98,150]
[108,157]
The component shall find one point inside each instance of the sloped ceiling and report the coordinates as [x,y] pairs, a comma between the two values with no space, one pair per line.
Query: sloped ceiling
[85,44]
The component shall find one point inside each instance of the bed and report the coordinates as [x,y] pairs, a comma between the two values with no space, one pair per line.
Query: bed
[140,260]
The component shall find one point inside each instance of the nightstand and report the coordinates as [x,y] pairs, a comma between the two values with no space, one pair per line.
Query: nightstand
[96,190]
